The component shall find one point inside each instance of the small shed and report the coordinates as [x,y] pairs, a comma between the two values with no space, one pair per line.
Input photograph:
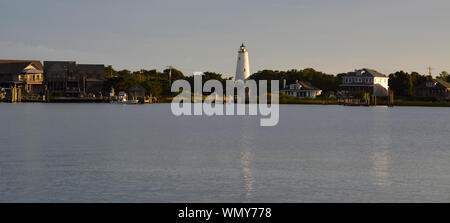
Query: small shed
[136,92]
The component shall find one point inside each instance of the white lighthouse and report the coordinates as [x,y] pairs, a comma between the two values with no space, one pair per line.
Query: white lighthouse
[243,68]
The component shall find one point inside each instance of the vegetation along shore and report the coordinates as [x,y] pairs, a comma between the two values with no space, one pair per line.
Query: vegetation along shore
[406,88]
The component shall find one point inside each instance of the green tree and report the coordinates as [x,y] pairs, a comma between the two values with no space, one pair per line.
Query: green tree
[444,75]
[325,82]
[176,74]
[153,88]
[209,76]
[110,72]
[403,83]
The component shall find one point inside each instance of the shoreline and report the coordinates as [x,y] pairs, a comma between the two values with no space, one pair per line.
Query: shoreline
[400,103]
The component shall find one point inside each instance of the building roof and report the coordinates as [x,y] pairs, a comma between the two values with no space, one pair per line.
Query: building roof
[91,66]
[364,73]
[37,63]
[18,68]
[48,64]
[59,66]
[304,85]
[443,83]
[437,84]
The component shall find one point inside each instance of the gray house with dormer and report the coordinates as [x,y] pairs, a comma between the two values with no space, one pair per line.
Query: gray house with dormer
[365,80]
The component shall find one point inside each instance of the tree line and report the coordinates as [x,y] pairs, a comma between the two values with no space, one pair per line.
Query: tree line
[157,83]
[403,83]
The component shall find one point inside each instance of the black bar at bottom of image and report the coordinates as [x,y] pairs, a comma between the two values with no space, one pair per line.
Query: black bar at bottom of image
[231,213]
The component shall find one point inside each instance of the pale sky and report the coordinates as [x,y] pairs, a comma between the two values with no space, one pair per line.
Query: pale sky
[333,36]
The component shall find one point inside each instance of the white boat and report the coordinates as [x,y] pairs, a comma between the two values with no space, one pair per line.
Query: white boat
[122,98]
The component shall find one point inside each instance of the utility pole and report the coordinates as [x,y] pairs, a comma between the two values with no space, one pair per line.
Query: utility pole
[429,70]
[170,75]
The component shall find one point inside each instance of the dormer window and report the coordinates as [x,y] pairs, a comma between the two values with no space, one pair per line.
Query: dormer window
[431,84]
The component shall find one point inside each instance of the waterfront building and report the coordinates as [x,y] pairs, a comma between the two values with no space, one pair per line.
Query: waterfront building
[94,77]
[437,88]
[24,74]
[365,80]
[301,89]
[68,79]
[243,67]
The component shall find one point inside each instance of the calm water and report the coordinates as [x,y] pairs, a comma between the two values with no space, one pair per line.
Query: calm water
[141,153]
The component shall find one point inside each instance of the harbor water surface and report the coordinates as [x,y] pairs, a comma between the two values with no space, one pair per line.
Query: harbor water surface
[142,153]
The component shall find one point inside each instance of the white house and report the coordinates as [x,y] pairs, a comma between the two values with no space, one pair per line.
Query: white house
[365,80]
[301,89]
